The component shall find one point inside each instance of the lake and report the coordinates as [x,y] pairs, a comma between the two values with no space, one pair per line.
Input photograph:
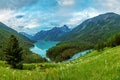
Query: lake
[41,46]
[77,55]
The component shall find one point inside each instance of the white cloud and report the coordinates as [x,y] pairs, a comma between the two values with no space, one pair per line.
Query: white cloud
[29,20]
[110,5]
[80,16]
[6,14]
[66,2]
[33,23]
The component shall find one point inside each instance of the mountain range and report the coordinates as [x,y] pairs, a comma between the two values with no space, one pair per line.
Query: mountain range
[52,34]
[92,30]
[26,35]
[97,28]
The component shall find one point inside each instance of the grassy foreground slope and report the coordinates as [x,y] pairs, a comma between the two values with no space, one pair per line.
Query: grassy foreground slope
[104,65]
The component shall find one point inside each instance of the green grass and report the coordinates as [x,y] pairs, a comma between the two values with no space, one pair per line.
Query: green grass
[104,65]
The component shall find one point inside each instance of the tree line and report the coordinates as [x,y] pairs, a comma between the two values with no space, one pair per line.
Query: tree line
[111,42]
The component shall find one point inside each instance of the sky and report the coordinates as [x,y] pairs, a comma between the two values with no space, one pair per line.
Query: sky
[31,16]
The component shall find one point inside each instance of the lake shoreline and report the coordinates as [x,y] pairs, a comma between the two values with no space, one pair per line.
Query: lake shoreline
[41,46]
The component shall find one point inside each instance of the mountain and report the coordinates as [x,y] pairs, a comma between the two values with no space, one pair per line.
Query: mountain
[26,35]
[85,36]
[5,33]
[52,34]
[99,27]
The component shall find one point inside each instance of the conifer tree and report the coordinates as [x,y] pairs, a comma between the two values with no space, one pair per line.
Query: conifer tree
[13,53]
[114,40]
[100,45]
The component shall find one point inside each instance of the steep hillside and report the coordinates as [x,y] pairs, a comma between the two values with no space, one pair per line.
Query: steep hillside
[25,43]
[5,32]
[51,35]
[26,35]
[103,65]
[100,27]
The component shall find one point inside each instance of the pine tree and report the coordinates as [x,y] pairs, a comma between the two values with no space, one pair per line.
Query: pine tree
[114,40]
[100,45]
[13,53]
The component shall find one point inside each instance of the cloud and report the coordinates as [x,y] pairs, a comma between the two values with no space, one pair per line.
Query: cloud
[108,6]
[66,2]
[32,16]
[19,16]
[21,27]
[111,3]
[33,23]
[6,14]
[80,16]
[16,4]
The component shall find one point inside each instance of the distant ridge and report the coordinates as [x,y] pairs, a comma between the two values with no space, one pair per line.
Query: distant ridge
[27,35]
[93,29]
[52,34]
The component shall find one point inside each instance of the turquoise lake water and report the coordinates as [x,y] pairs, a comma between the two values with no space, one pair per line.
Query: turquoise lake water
[41,47]
[79,54]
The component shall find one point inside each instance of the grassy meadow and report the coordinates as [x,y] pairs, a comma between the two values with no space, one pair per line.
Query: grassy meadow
[104,65]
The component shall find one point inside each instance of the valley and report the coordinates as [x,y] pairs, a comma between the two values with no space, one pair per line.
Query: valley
[41,47]
[61,43]
[90,51]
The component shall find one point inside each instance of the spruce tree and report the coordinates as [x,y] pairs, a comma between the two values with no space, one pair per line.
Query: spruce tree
[13,53]
[100,45]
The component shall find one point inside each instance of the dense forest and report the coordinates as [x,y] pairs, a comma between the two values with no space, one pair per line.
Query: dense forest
[66,50]
[113,41]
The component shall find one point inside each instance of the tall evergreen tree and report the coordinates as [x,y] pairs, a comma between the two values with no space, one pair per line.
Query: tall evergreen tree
[114,40]
[13,53]
[100,45]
